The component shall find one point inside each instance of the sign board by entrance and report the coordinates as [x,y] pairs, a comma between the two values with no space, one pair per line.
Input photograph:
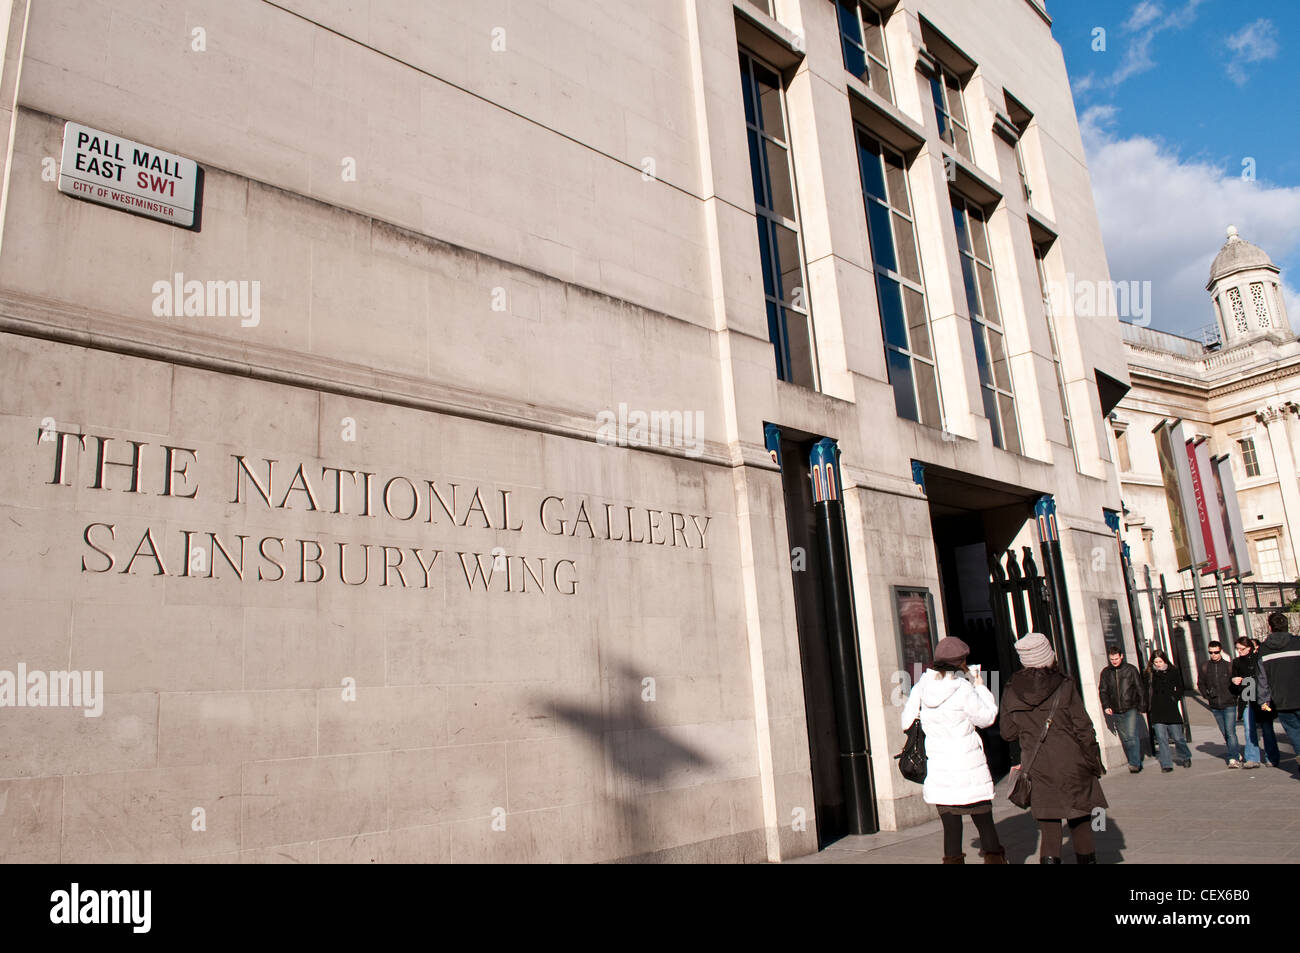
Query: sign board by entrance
[110,170]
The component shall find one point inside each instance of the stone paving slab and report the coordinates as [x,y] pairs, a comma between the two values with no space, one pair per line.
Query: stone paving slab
[1208,813]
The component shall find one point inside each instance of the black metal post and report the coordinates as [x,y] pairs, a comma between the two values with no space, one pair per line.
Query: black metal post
[842,639]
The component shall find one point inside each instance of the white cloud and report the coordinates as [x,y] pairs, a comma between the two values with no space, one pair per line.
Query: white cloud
[1142,14]
[1163,220]
[1253,43]
[1146,21]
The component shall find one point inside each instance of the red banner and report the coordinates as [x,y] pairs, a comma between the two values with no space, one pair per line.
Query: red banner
[1202,509]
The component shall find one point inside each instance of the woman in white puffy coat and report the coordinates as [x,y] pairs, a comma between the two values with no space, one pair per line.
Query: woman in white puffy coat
[952,704]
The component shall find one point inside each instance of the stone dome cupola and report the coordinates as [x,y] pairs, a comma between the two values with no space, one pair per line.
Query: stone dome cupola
[1245,286]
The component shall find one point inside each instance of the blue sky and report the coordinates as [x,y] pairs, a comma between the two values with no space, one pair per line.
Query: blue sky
[1183,94]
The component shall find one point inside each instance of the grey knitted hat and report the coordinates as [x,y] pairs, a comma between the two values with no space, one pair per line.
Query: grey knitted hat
[1035,651]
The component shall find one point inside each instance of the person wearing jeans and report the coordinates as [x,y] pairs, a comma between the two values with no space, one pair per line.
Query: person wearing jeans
[1279,677]
[1122,698]
[1215,685]
[1165,691]
[1245,685]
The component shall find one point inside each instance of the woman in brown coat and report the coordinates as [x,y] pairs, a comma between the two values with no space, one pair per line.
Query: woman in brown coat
[1064,773]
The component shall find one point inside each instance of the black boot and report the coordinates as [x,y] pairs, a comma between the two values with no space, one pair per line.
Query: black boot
[1085,858]
[1049,860]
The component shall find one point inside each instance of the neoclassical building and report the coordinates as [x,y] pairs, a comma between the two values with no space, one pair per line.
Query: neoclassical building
[498,431]
[1242,392]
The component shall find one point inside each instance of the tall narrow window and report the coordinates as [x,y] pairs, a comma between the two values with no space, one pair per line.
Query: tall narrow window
[945,87]
[862,41]
[904,322]
[1249,459]
[1148,544]
[1121,450]
[788,325]
[1040,255]
[986,323]
[1021,118]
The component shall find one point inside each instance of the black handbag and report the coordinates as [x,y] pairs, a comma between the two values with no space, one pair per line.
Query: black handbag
[911,760]
[1021,790]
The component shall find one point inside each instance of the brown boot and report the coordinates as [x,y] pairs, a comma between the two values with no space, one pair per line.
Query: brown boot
[959,859]
[998,856]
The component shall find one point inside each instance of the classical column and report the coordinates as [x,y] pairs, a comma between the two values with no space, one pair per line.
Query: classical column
[1273,417]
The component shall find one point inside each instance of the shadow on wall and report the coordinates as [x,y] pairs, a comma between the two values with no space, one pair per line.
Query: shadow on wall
[642,758]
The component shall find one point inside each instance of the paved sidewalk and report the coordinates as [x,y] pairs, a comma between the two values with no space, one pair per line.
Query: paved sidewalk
[1208,813]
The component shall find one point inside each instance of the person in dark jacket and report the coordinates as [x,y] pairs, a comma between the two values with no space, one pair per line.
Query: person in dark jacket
[1123,699]
[1214,682]
[1245,685]
[1064,769]
[1165,694]
[1279,677]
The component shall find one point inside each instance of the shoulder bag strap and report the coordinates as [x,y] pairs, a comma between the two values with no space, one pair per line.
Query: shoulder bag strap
[1056,700]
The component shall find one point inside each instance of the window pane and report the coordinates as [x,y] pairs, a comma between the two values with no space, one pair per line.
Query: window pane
[774,335]
[978,236]
[959,222]
[1011,432]
[954,98]
[918,328]
[897,183]
[765,256]
[988,296]
[998,355]
[900,378]
[940,113]
[968,276]
[961,141]
[991,412]
[855,61]
[981,353]
[769,101]
[875,38]
[927,394]
[1065,408]
[756,171]
[873,179]
[801,364]
[882,242]
[892,321]
[747,88]
[908,265]
[880,79]
[849,29]
[778,171]
[787,252]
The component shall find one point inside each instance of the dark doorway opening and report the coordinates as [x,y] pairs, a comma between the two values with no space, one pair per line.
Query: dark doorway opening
[842,791]
[972,520]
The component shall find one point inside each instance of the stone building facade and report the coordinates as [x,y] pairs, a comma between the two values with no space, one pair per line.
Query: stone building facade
[438,495]
[1241,391]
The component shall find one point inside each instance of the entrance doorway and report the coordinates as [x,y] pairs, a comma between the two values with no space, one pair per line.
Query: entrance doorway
[973,522]
[834,704]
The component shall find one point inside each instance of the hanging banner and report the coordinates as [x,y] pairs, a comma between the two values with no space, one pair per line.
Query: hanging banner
[1198,462]
[1189,547]
[1200,511]
[1230,513]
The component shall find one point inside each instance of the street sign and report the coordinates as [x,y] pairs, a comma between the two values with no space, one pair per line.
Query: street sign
[117,172]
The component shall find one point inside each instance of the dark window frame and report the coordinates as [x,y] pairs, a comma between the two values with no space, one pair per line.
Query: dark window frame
[779,301]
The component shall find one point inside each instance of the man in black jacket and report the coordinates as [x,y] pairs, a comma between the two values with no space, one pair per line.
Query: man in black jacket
[1122,697]
[1215,685]
[1279,676]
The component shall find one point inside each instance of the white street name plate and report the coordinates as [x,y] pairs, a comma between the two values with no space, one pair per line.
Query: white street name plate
[128,175]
